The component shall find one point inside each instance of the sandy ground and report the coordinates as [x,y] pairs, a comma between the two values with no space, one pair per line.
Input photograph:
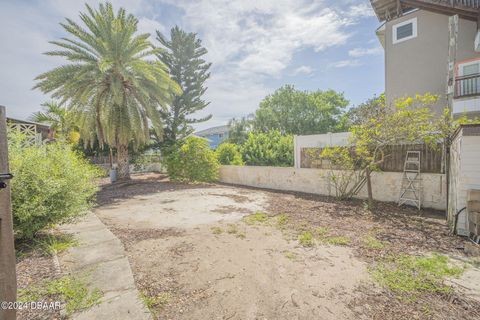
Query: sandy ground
[194,256]
[191,246]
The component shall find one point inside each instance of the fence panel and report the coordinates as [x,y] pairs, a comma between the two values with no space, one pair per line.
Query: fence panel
[431,158]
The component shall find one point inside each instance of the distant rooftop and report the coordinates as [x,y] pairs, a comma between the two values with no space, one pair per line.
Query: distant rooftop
[41,125]
[213,130]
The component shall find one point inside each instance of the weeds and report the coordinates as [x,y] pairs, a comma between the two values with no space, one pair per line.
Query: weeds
[72,290]
[241,235]
[373,243]
[232,229]
[257,217]
[306,239]
[282,220]
[411,275]
[290,255]
[54,244]
[321,232]
[337,241]
[216,230]
[158,301]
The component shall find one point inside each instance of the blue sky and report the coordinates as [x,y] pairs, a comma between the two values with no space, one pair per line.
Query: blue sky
[255,46]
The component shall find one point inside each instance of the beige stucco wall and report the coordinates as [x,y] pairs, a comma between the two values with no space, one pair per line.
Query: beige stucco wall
[419,65]
[465,175]
[386,185]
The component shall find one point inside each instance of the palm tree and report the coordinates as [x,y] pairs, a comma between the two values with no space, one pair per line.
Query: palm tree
[56,116]
[112,90]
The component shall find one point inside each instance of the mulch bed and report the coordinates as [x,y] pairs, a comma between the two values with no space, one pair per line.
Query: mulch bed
[406,231]
[34,267]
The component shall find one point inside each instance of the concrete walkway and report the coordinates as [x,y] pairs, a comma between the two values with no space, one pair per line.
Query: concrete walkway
[101,256]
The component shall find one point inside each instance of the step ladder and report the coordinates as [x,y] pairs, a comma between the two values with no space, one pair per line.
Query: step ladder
[410,192]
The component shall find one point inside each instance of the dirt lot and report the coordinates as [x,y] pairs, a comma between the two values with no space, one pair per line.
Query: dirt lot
[195,256]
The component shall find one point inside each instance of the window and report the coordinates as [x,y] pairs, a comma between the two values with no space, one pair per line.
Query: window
[470,69]
[405,30]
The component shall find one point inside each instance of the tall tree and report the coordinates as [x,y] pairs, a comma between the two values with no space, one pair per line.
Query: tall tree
[301,112]
[182,54]
[238,129]
[110,87]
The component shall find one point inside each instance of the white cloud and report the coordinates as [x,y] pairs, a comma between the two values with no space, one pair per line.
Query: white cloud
[361,10]
[302,70]
[345,63]
[360,52]
[146,25]
[250,42]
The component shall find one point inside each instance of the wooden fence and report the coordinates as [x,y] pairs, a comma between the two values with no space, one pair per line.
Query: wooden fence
[430,158]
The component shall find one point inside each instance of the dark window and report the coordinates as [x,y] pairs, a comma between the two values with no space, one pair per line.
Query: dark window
[404,31]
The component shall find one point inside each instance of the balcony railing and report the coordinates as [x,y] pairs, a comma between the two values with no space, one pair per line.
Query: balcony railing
[466,3]
[467,86]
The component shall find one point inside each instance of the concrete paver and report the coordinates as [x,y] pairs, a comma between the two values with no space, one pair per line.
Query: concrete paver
[102,257]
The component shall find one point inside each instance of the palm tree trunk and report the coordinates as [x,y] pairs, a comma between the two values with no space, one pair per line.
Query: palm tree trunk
[123,162]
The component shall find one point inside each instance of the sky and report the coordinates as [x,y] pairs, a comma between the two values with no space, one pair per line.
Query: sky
[255,47]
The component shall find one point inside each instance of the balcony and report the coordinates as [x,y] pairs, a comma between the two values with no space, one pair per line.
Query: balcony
[389,9]
[467,95]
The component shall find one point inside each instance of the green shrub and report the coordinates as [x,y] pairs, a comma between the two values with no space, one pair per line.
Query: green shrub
[51,184]
[268,149]
[193,161]
[228,154]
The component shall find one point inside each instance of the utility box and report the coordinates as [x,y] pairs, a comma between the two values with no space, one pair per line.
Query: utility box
[473,212]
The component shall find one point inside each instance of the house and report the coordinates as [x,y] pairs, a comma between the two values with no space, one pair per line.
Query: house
[432,46]
[215,135]
[35,132]
[464,175]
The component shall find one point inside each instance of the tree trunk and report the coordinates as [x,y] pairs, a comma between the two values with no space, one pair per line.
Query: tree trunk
[123,163]
[369,188]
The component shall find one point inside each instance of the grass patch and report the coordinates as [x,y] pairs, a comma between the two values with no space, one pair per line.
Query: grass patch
[337,241]
[158,301]
[373,243]
[216,230]
[241,235]
[290,255]
[232,229]
[71,290]
[282,220]
[53,244]
[257,217]
[321,232]
[410,276]
[306,239]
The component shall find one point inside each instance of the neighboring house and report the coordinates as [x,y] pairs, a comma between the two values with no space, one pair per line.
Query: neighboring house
[35,132]
[215,135]
[421,42]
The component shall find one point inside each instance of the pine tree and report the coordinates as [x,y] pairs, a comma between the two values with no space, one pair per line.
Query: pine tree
[182,54]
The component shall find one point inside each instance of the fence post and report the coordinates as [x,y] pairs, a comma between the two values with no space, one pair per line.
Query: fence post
[8,278]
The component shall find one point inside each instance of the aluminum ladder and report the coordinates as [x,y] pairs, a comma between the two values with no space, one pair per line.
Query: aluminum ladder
[410,192]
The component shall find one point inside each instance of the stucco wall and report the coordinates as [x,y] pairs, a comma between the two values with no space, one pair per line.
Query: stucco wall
[465,173]
[419,65]
[386,185]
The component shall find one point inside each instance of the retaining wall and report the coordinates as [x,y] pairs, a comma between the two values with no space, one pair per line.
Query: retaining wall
[385,185]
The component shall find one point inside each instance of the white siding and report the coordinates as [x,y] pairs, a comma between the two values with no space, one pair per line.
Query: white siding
[465,175]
